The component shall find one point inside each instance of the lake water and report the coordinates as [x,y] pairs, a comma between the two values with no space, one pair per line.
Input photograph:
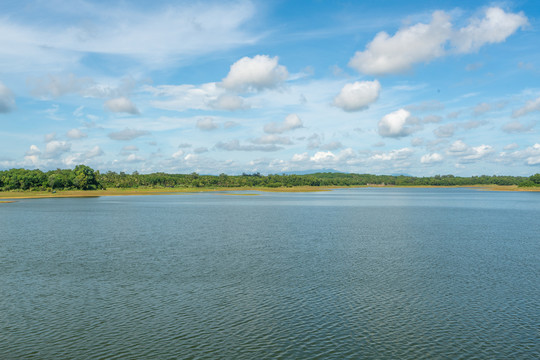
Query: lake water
[353,273]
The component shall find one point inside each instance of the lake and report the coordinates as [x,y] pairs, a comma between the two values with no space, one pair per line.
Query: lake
[385,273]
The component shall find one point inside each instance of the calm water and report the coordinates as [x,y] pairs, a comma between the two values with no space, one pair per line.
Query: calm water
[356,273]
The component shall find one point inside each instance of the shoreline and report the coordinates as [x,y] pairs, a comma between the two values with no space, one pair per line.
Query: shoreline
[185,191]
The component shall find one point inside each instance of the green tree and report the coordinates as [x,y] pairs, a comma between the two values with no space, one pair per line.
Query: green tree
[85,178]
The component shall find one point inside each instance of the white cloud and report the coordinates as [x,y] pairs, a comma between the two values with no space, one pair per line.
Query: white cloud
[234,145]
[94,152]
[76,134]
[204,97]
[56,85]
[394,124]
[420,43]
[157,36]
[291,122]
[300,157]
[467,154]
[400,154]
[121,105]
[394,54]
[34,150]
[206,124]
[458,147]
[132,158]
[323,156]
[254,74]
[431,158]
[533,153]
[495,27]
[530,106]
[478,152]
[7,99]
[530,155]
[128,134]
[55,149]
[358,95]
[179,154]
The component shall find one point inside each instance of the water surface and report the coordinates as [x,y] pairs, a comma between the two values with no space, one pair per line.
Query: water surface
[353,273]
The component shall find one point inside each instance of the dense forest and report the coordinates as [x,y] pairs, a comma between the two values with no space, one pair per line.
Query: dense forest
[83,177]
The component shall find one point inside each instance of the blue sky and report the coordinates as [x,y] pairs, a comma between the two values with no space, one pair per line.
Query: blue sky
[387,87]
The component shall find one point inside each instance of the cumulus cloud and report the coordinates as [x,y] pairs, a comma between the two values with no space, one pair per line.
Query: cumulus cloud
[323,156]
[431,158]
[76,134]
[387,54]
[467,154]
[496,26]
[291,122]
[395,124]
[127,134]
[7,99]
[234,145]
[420,43]
[328,158]
[206,124]
[255,74]
[121,105]
[458,147]
[530,106]
[358,95]
[530,155]
[55,149]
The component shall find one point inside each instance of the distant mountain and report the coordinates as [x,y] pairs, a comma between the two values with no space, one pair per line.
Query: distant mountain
[313,171]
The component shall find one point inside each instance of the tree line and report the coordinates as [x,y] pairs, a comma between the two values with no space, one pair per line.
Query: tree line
[83,177]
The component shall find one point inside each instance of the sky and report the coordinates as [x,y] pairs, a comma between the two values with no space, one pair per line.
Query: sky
[382,87]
